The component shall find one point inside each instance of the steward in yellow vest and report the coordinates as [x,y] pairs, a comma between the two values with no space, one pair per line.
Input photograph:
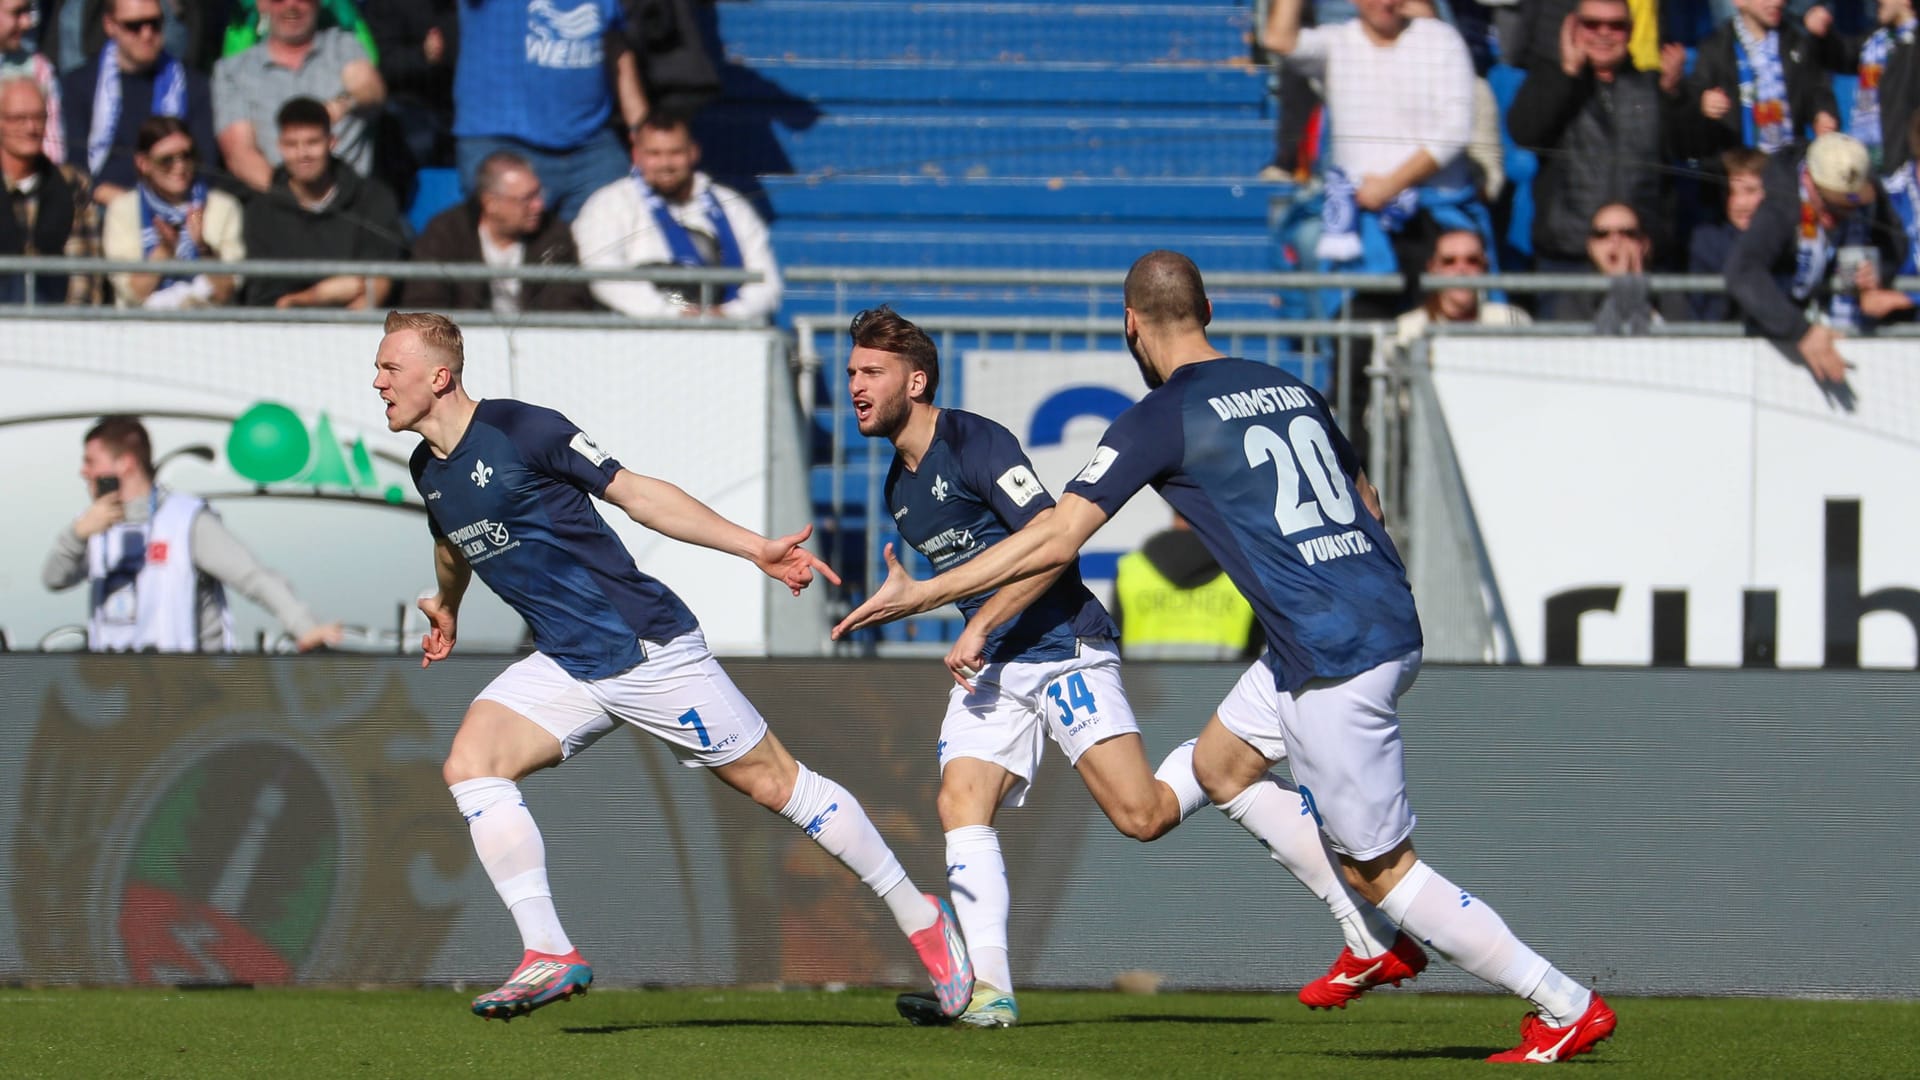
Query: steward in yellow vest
[1173,602]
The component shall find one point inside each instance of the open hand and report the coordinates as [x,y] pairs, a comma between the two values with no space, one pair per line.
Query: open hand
[1822,357]
[892,600]
[785,561]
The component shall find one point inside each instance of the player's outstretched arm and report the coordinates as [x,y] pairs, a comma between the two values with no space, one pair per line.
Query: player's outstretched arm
[442,609]
[968,654]
[1046,543]
[669,511]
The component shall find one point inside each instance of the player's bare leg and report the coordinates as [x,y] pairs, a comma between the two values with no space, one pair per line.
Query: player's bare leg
[1139,803]
[1467,933]
[1236,776]
[829,813]
[971,791]
[494,749]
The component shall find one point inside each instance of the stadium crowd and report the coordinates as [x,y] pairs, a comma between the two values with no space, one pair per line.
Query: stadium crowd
[303,129]
[300,129]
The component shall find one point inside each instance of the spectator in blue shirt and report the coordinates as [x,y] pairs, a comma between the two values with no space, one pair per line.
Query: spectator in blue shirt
[534,79]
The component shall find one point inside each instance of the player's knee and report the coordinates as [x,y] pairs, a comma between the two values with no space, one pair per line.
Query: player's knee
[956,807]
[1220,783]
[1145,820]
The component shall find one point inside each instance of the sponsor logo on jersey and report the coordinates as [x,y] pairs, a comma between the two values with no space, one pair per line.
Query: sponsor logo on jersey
[482,472]
[587,448]
[900,513]
[157,552]
[1103,459]
[940,488]
[1020,485]
[947,545]
[483,539]
[432,495]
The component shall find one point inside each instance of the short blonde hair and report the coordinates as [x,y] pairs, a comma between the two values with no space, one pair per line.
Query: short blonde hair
[437,331]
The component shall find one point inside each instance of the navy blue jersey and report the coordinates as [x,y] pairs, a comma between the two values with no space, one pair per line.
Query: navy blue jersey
[1252,458]
[973,489]
[513,497]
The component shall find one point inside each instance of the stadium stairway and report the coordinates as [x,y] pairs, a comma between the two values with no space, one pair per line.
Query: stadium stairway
[1032,135]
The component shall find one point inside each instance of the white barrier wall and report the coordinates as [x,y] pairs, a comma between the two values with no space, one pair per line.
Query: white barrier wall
[1693,501]
[305,472]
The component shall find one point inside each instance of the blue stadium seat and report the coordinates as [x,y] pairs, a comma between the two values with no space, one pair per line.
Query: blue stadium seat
[861,30]
[435,190]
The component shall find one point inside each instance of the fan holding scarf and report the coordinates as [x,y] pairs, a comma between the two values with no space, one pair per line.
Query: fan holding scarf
[171,215]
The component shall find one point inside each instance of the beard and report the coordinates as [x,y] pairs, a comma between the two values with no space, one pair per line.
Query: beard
[887,418]
[1147,374]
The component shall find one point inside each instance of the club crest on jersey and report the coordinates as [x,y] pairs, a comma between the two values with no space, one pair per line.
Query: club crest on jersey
[940,488]
[482,472]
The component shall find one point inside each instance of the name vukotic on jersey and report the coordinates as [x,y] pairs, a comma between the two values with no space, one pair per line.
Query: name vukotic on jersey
[1259,401]
[483,539]
[1328,548]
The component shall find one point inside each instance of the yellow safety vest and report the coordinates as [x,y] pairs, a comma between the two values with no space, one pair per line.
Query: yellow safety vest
[1161,621]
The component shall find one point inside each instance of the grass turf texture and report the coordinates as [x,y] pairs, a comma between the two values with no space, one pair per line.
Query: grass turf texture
[319,1033]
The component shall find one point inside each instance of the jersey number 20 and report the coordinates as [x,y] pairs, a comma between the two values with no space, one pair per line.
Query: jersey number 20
[1306,446]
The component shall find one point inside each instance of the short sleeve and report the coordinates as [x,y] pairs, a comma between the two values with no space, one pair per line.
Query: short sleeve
[229,98]
[417,465]
[552,445]
[1310,49]
[1143,446]
[999,471]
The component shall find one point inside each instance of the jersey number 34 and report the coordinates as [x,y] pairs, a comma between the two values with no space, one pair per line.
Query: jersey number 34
[1306,446]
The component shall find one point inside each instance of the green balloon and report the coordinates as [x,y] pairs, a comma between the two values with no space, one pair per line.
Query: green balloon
[268,444]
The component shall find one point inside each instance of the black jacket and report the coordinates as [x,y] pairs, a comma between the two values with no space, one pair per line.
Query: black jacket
[362,223]
[1809,90]
[1598,143]
[136,105]
[1760,269]
[1899,90]
[453,236]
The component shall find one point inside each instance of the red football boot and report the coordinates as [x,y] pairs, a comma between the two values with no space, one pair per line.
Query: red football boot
[1543,1044]
[1350,976]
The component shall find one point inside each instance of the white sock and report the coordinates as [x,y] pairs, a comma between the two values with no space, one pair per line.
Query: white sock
[977,880]
[1471,936]
[1275,815]
[1177,773]
[510,849]
[834,818]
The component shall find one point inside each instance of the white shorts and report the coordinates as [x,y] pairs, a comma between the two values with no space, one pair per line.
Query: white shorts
[679,695]
[1341,740]
[1015,707]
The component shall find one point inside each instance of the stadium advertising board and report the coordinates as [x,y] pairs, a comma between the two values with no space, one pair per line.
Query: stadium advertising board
[1059,404]
[1697,502]
[282,820]
[278,427]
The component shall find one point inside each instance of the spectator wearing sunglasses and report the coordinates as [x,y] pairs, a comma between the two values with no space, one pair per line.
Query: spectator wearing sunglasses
[1601,128]
[131,78]
[1618,246]
[1457,253]
[171,214]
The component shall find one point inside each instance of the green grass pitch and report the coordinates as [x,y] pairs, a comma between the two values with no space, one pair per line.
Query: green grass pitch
[731,1033]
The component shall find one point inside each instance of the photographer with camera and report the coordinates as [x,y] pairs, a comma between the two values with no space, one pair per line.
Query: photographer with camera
[1813,265]
[158,562]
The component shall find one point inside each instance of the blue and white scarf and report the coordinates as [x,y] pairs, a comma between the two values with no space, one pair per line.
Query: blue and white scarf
[1865,123]
[153,206]
[169,99]
[1340,217]
[1815,251]
[680,245]
[1766,117]
[1903,197]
